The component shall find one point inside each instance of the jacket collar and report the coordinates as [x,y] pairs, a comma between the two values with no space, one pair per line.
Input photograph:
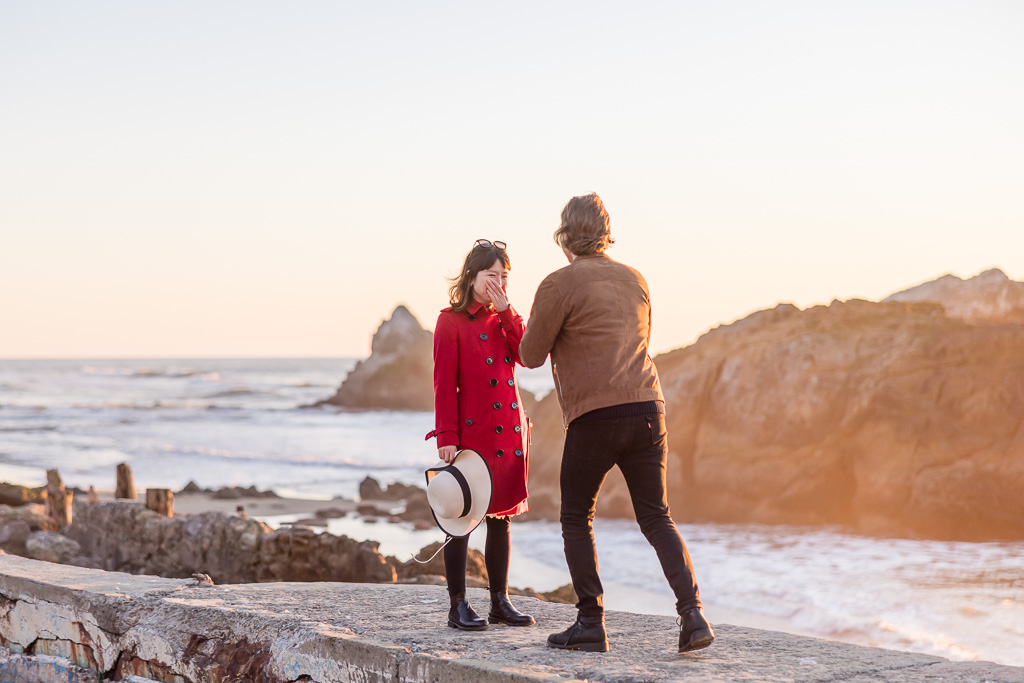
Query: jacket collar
[474,307]
[598,254]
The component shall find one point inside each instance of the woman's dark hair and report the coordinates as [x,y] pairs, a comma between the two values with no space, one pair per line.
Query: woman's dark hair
[479,258]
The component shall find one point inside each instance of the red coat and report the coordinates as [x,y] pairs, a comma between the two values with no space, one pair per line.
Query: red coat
[476,397]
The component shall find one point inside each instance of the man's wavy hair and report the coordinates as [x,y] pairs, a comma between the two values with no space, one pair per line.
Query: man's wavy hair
[585,227]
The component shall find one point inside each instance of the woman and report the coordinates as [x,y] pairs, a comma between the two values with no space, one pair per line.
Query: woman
[477,406]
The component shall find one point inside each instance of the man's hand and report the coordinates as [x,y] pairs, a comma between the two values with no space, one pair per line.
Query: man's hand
[497,295]
[447,453]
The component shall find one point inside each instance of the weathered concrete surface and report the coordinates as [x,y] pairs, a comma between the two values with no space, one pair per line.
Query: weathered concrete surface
[174,630]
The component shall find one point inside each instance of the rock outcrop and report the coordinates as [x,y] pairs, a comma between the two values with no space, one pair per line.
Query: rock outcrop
[16,494]
[894,418]
[51,547]
[398,375]
[125,536]
[988,297]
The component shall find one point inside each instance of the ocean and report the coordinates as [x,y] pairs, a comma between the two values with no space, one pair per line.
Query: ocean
[241,421]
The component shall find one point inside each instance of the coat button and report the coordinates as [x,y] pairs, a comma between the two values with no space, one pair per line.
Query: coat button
[494,382]
[500,452]
[469,423]
[518,429]
[472,317]
[508,359]
[511,382]
[498,429]
[483,335]
[514,405]
[496,405]
[489,361]
[519,452]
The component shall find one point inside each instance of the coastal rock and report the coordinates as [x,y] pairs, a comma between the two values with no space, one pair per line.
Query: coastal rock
[32,514]
[123,536]
[988,297]
[301,554]
[398,375]
[16,495]
[50,546]
[892,418]
[13,535]
[369,489]
[476,569]
[191,487]
[417,509]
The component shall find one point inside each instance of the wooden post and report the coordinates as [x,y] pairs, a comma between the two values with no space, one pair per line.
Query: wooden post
[125,482]
[58,499]
[160,501]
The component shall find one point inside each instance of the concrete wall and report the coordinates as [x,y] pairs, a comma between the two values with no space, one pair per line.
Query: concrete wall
[121,625]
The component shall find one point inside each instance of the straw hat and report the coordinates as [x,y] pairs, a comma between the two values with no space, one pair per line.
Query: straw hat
[460,493]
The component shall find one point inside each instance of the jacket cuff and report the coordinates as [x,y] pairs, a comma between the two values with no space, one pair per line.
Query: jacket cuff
[507,316]
[447,439]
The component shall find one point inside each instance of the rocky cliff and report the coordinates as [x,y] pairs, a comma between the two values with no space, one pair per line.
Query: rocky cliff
[902,417]
[398,375]
[988,297]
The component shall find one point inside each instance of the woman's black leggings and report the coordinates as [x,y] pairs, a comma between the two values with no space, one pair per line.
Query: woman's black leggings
[496,551]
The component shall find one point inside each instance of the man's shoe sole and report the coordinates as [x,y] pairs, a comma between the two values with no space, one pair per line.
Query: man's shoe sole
[496,620]
[698,640]
[585,647]
[452,624]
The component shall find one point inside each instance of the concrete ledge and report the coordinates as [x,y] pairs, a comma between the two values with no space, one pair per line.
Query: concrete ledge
[121,625]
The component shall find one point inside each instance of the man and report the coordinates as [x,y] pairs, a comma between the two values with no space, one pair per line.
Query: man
[594,318]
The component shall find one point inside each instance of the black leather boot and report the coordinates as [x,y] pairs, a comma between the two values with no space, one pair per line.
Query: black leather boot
[694,630]
[589,636]
[462,616]
[502,611]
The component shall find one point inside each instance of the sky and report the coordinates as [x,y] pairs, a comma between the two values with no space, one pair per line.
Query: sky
[263,179]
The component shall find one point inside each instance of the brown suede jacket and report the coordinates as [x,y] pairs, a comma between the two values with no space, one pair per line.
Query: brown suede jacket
[594,318]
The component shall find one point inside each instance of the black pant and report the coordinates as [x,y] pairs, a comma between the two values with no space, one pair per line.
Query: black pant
[496,552]
[638,444]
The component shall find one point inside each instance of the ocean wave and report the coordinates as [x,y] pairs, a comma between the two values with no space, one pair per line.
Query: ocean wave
[270,459]
[229,393]
[150,372]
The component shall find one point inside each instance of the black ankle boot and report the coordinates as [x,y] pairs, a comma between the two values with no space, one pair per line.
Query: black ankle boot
[694,630]
[462,616]
[502,611]
[589,636]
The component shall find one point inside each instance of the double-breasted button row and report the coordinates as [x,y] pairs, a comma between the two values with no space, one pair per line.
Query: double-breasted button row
[508,359]
[497,405]
[519,452]
[494,382]
[517,429]
[469,423]
[483,335]
[514,405]
[499,429]
[489,360]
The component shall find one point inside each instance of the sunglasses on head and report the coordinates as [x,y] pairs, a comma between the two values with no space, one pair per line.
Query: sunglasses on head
[488,244]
